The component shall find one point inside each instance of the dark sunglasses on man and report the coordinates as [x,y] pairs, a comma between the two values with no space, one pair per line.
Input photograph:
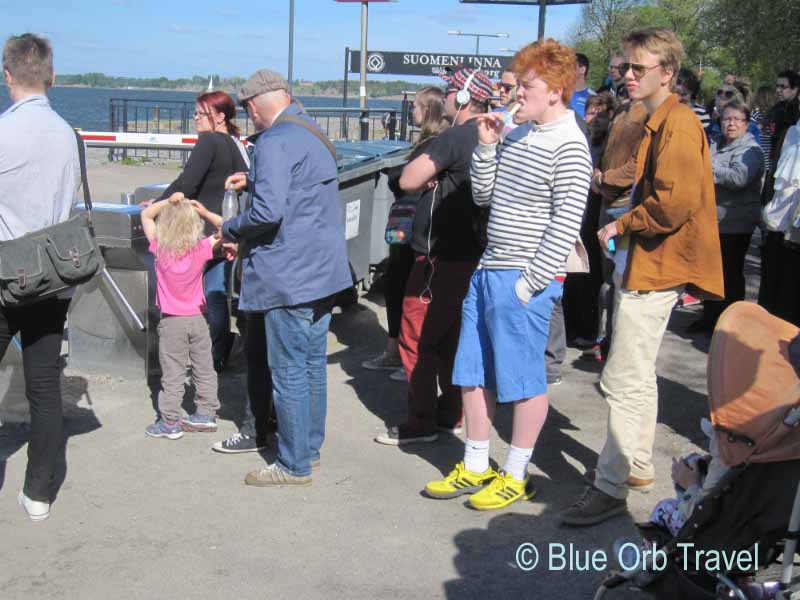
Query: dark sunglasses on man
[727,94]
[507,87]
[639,70]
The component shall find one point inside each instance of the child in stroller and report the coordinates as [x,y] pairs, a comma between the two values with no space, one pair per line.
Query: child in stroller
[754,508]
[694,476]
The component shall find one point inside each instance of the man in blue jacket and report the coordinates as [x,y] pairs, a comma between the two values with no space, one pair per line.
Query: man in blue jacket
[294,259]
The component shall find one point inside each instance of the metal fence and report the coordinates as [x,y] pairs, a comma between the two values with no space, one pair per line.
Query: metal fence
[160,116]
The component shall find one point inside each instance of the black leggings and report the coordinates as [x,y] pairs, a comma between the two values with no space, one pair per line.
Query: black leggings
[401,260]
[41,328]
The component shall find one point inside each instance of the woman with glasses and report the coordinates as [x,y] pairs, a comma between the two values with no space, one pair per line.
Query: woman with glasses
[724,95]
[738,164]
[217,154]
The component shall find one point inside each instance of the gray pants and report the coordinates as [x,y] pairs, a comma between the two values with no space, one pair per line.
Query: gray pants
[185,341]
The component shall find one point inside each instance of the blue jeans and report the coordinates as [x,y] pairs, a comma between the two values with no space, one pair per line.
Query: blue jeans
[297,358]
[215,281]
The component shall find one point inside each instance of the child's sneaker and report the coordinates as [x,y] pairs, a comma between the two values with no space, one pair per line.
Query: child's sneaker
[195,422]
[165,429]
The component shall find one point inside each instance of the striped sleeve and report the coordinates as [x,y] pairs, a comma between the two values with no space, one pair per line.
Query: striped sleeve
[572,169]
[483,173]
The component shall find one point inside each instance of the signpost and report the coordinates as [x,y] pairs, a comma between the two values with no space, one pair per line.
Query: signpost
[362,90]
[426,63]
[542,4]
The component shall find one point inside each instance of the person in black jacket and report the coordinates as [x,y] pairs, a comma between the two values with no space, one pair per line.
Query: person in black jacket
[429,117]
[217,154]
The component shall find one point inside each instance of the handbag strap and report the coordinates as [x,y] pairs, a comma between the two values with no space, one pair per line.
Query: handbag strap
[87,197]
[309,127]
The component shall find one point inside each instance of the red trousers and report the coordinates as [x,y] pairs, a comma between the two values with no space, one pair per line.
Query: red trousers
[429,334]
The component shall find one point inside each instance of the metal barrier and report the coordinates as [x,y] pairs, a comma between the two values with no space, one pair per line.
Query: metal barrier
[128,115]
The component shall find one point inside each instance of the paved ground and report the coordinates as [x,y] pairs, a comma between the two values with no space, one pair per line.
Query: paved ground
[143,518]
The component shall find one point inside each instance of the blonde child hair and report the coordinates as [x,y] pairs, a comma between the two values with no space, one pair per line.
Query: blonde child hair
[178,229]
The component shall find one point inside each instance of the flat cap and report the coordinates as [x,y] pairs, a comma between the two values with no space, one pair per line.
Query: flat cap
[261,82]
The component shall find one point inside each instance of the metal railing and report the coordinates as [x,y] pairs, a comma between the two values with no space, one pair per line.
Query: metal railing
[161,116]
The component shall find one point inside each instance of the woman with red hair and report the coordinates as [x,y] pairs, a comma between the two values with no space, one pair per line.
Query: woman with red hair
[217,154]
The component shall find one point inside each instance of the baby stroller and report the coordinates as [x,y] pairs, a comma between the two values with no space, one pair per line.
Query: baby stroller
[754,400]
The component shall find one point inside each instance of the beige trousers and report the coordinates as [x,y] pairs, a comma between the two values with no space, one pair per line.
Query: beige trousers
[629,384]
[186,341]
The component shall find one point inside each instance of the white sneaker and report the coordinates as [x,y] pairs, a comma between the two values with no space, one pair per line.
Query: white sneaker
[385,362]
[36,511]
[398,375]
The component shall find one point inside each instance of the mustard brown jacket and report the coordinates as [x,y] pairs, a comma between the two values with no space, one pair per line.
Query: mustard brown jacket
[673,225]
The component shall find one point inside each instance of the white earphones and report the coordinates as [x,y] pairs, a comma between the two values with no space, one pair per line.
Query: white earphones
[463,95]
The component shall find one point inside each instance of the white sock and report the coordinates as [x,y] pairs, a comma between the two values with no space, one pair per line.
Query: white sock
[517,462]
[476,455]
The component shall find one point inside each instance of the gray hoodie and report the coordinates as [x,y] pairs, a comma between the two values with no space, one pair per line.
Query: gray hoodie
[738,176]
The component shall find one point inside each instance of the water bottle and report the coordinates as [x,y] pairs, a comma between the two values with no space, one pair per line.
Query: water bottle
[230,204]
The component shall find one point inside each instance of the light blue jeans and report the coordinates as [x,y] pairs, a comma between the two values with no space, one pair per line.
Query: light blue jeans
[297,357]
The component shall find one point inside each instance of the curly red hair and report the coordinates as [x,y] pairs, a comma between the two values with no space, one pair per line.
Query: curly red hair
[553,63]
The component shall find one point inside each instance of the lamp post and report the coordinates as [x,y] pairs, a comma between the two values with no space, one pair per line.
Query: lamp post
[477,37]
[542,4]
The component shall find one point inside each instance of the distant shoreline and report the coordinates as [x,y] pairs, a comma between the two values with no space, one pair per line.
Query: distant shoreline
[200,91]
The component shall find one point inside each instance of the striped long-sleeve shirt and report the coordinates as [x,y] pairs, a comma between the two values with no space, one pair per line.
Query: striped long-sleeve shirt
[536,183]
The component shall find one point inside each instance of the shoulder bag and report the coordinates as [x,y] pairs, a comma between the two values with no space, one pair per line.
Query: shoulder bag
[48,261]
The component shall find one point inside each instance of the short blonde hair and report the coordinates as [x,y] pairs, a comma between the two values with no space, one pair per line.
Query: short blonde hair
[659,41]
[178,229]
[553,63]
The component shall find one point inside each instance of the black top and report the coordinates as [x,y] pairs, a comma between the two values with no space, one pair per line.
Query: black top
[394,174]
[458,229]
[213,159]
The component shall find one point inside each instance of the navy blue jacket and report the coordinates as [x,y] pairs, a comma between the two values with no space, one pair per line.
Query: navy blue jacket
[293,230]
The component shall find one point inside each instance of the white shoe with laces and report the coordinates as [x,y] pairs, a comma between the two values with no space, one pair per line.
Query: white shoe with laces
[36,511]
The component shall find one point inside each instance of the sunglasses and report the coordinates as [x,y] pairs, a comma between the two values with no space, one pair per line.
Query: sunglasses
[507,87]
[639,70]
[728,94]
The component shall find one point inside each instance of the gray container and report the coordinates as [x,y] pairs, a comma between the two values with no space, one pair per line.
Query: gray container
[103,338]
[366,197]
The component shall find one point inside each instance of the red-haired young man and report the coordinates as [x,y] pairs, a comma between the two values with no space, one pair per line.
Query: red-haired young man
[536,180]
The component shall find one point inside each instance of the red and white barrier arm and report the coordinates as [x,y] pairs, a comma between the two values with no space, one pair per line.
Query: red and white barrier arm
[157,141]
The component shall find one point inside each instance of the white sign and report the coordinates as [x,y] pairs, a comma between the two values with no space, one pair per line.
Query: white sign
[351,218]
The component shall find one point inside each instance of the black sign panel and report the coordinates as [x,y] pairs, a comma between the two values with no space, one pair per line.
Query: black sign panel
[426,63]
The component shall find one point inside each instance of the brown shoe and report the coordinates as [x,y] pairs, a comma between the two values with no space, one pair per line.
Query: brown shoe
[593,507]
[643,486]
[273,475]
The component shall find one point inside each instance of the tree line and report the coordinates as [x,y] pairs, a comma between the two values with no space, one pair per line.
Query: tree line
[200,82]
[755,38]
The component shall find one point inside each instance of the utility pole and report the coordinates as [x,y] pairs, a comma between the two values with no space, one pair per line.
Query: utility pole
[362,90]
[291,41]
[542,11]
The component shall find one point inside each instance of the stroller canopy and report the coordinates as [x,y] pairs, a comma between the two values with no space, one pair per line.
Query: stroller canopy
[752,385]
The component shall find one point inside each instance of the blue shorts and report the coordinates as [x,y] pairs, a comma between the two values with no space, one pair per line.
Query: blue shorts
[502,341]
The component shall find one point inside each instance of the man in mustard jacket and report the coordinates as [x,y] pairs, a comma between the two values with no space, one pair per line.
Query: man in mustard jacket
[673,244]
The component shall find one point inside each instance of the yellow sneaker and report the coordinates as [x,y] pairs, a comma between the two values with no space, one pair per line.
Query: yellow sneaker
[501,492]
[460,481]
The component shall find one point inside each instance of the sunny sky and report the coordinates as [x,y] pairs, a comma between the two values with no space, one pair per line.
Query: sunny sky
[179,38]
